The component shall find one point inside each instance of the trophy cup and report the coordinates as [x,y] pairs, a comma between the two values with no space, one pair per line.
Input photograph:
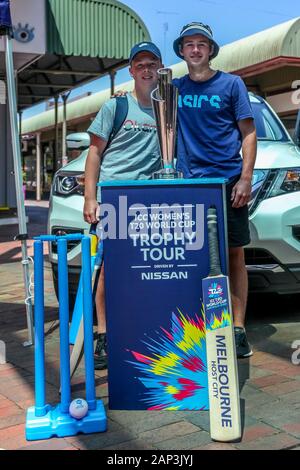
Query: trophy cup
[164,102]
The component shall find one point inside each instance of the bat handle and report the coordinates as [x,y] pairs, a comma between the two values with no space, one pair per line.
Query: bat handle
[213,244]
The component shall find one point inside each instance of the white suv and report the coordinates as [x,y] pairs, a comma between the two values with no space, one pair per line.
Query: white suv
[273,256]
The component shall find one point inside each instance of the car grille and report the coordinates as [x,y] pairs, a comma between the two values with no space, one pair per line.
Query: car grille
[296,232]
[257,256]
[263,190]
[63,231]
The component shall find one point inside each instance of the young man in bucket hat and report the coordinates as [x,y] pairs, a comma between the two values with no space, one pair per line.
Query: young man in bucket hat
[215,122]
[132,153]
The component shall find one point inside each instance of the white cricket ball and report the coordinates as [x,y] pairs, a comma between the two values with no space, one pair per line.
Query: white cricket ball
[78,408]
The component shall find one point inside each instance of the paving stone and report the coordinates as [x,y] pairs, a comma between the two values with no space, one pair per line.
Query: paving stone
[102,440]
[12,420]
[189,441]
[102,391]
[11,410]
[101,373]
[283,388]
[274,442]
[248,420]
[6,366]
[291,398]
[71,448]
[275,414]
[254,397]
[216,446]
[252,433]
[19,392]
[261,358]
[269,380]
[199,419]
[13,382]
[13,437]
[24,404]
[5,402]
[16,372]
[113,426]
[169,431]
[292,428]
[135,444]
[291,372]
[283,368]
[140,421]
[47,444]
[257,372]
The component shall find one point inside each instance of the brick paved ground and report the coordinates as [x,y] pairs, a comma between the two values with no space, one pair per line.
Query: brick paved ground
[270,383]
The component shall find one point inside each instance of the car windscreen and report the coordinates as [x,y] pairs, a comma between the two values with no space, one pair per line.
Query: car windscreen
[268,127]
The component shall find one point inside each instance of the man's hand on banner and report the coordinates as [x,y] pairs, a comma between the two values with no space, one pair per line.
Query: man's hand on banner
[91,211]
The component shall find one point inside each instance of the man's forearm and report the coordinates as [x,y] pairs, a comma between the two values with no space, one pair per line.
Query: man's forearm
[92,168]
[249,148]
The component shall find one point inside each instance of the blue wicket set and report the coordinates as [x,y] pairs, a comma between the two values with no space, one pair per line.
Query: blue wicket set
[43,420]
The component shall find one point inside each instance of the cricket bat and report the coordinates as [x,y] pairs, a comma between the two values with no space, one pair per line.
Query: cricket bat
[223,384]
[77,332]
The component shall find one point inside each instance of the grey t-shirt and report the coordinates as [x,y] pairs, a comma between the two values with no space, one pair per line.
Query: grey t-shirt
[134,151]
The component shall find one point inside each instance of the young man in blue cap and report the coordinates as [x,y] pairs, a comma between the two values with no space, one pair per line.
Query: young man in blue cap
[215,122]
[133,153]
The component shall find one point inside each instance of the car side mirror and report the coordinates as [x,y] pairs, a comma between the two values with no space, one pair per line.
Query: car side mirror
[78,141]
[297,130]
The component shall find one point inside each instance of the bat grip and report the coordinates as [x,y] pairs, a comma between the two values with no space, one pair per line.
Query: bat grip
[213,242]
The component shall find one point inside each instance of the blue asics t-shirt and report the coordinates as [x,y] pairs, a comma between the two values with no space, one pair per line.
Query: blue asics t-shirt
[209,140]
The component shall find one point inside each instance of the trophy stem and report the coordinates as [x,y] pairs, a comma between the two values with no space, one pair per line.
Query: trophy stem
[164,102]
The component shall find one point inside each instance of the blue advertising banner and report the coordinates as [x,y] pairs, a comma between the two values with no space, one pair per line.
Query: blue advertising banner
[155,256]
[5,18]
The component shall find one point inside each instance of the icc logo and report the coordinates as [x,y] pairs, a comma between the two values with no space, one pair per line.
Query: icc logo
[215,290]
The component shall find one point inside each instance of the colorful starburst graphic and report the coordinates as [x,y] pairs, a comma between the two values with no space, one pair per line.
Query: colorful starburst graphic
[173,371]
[218,321]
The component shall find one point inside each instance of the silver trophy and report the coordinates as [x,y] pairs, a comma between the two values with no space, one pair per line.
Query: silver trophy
[164,102]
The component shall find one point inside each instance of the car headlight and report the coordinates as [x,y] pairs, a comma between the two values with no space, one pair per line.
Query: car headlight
[287,181]
[68,183]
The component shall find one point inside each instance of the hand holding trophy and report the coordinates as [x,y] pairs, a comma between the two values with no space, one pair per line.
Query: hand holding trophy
[164,102]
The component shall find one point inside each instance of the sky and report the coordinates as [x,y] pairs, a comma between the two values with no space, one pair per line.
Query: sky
[230,20]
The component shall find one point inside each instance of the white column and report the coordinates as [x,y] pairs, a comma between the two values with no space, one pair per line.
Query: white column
[64,159]
[38,166]
[112,75]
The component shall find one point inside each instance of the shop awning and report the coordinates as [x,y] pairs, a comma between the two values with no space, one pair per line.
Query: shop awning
[86,39]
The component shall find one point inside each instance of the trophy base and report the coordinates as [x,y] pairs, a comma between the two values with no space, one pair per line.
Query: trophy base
[167,174]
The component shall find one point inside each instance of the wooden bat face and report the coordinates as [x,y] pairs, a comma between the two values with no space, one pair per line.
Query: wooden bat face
[221,361]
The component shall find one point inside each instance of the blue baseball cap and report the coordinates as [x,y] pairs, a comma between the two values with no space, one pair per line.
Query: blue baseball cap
[195,28]
[144,47]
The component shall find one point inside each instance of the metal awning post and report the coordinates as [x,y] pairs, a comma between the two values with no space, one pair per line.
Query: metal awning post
[20,138]
[11,89]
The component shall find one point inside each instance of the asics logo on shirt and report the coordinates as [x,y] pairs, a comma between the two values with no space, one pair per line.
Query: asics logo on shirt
[130,124]
[199,101]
